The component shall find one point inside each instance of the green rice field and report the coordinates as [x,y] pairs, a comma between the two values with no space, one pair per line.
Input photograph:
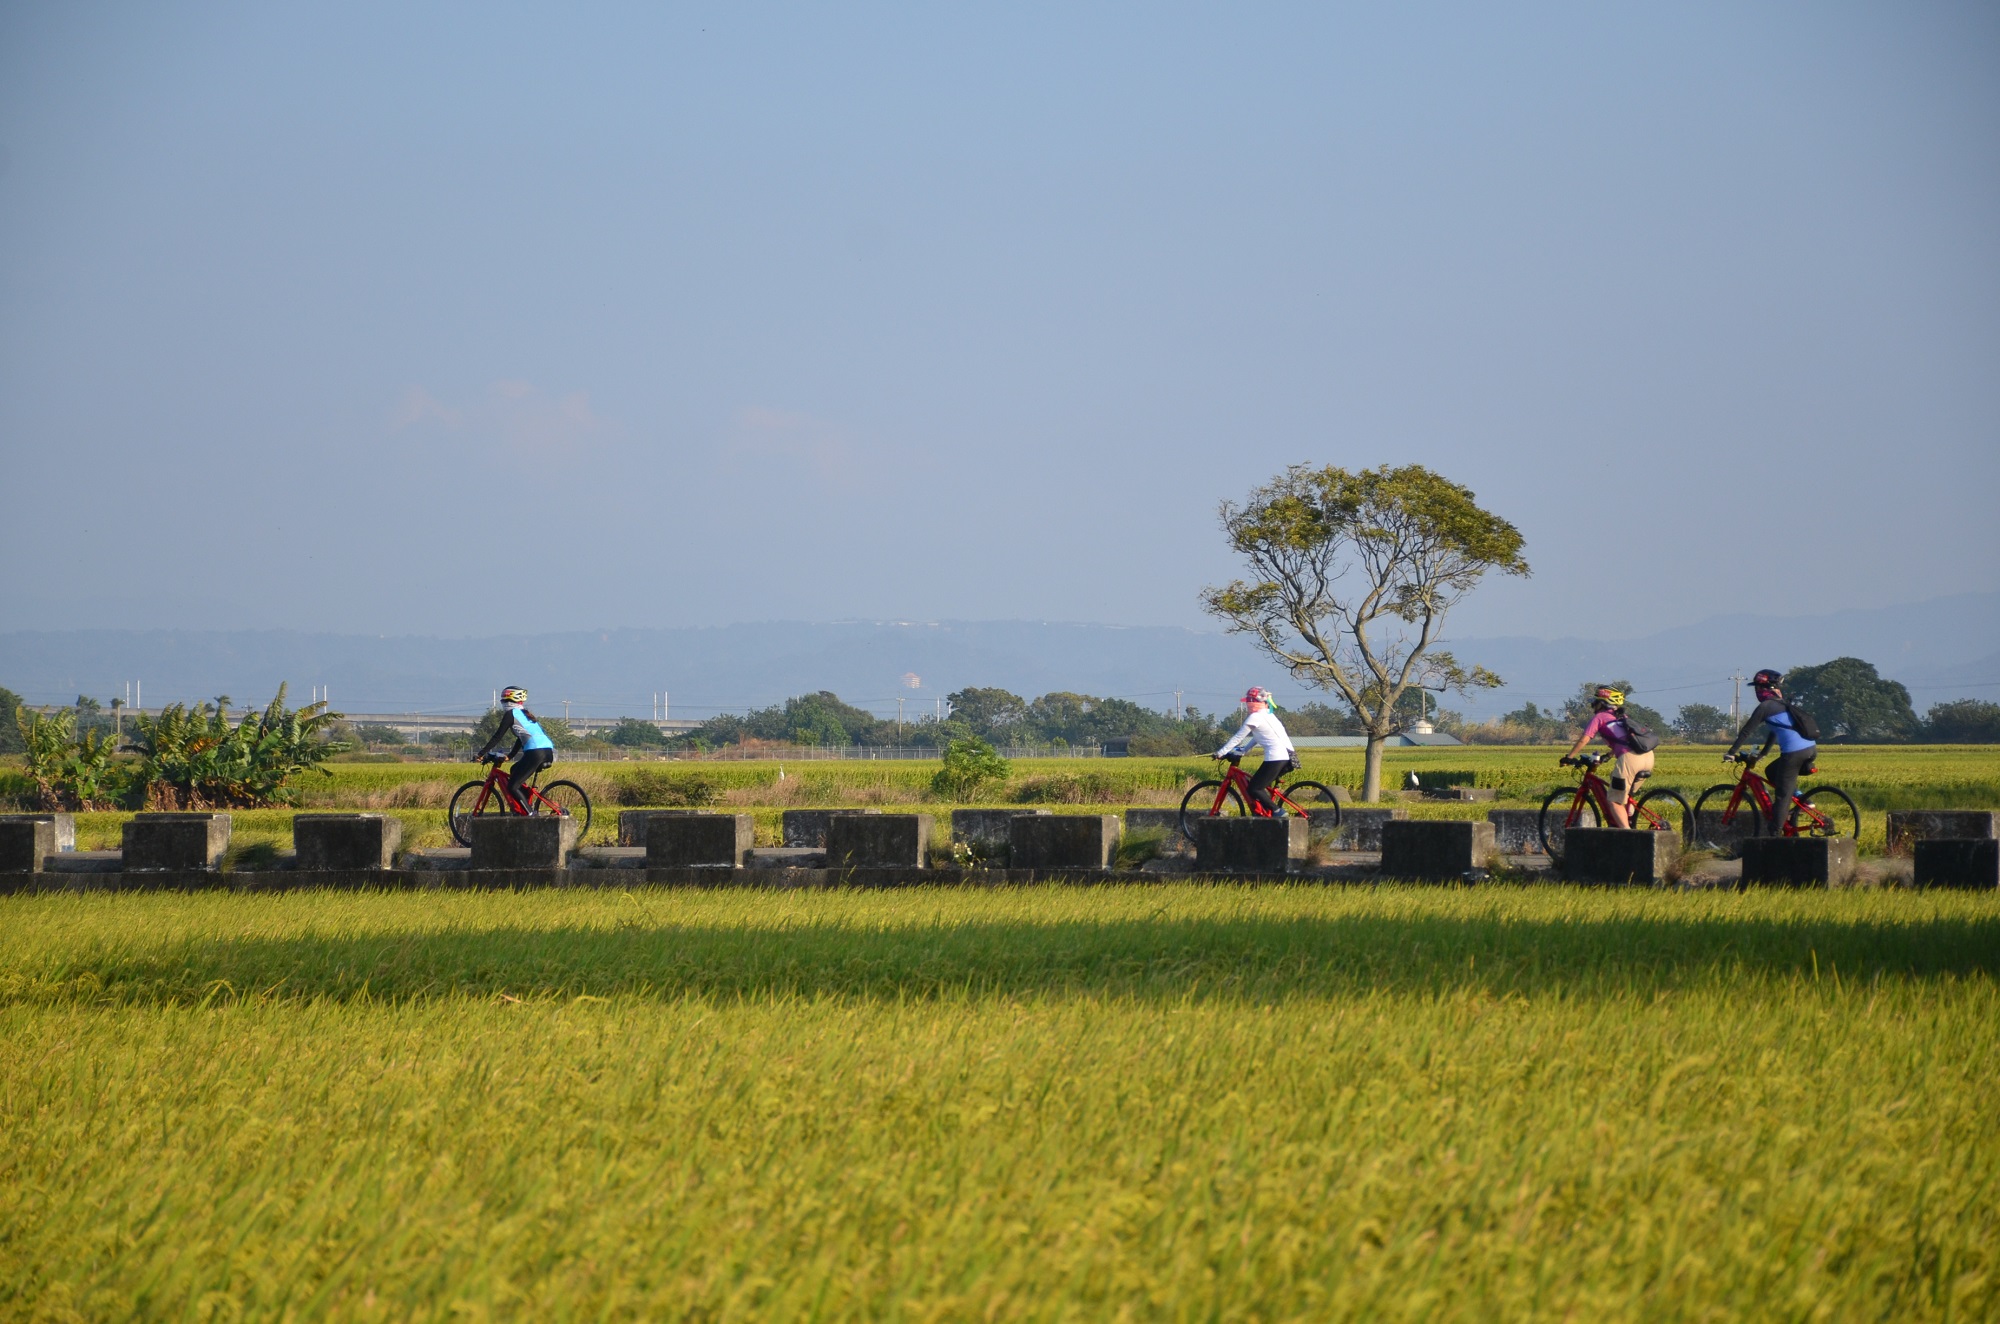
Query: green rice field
[1145,1102]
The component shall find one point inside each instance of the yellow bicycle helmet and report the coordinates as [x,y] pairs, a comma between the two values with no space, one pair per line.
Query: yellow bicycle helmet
[1609,697]
[513,694]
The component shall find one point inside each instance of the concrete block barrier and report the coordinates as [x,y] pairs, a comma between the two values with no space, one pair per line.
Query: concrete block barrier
[1433,849]
[1619,855]
[1958,862]
[64,824]
[700,841]
[878,841]
[1062,841]
[1796,861]
[632,823]
[25,842]
[1233,844]
[1361,829]
[1516,831]
[807,827]
[512,841]
[346,841]
[175,841]
[1907,827]
[987,830]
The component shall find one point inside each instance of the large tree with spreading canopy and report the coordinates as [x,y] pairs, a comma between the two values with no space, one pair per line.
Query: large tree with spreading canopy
[1351,575]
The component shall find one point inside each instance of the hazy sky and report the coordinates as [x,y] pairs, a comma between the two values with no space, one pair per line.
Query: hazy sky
[462,319]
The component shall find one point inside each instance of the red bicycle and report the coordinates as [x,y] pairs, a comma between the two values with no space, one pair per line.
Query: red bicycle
[1731,811]
[1213,799]
[496,794]
[1588,805]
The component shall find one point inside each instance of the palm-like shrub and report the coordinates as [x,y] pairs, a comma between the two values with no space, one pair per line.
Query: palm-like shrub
[194,759]
[69,772]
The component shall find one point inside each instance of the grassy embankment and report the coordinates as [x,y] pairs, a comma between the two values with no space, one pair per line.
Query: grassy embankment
[1162,1102]
[1880,778]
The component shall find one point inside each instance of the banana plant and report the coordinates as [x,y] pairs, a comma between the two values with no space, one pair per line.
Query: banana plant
[193,758]
[69,772]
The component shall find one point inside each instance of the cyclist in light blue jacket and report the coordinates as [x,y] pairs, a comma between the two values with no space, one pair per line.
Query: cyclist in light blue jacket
[533,750]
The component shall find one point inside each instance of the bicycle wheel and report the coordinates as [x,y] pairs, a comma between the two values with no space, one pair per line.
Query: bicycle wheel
[1555,819]
[1200,801]
[1663,810]
[1316,802]
[569,801]
[465,803]
[1715,828]
[1837,816]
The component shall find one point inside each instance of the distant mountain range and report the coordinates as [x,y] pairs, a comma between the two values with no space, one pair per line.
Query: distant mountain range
[1943,649]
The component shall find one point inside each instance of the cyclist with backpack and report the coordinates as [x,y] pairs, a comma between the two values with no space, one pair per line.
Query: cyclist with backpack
[1796,735]
[533,750]
[1632,746]
[1262,728]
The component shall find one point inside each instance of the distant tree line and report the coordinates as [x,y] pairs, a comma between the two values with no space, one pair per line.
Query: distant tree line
[996,716]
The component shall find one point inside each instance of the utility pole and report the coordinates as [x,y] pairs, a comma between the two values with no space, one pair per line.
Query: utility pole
[899,719]
[1736,701]
[1180,715]
[565,710]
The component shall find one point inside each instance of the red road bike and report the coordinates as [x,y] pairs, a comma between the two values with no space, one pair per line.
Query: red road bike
[1588,805]
[1731,811]
[496,794]
[1213,799]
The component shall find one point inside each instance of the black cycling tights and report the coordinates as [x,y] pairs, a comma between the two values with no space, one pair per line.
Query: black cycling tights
[1783,774]
[531,762]
[1260,782]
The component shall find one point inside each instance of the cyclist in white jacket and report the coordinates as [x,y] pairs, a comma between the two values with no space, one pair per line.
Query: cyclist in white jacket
[1262,728]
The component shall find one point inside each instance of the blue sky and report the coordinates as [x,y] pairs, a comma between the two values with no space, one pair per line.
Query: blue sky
[433,319]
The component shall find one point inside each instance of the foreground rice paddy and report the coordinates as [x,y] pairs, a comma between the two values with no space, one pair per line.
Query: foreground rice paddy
[1160,1102]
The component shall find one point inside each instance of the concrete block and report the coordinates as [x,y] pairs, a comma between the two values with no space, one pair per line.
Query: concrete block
[25,843]
[346,841]
[1435,849]
[514,841]
[175,841]
[1361,829]
[700,841]
[1907,827]
[878,841]
[1240,844]
[1796,861]
[807,827]
[632,822]
[1619,855]
[64,824]
[987,830]
[1062,841]
[1958,862]
[1516,831]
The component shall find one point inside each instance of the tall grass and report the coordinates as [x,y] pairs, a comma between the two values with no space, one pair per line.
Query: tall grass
[1158,1103]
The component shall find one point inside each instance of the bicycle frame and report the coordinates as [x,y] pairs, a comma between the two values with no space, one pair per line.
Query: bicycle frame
[1593,786]
[1760,794]
[1239,781]
[516,802]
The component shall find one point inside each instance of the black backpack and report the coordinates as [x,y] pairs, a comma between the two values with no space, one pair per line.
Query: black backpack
[1640,738]
[1802,722]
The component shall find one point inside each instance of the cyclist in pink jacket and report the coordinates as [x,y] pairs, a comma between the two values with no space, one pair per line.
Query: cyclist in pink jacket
[1608,723]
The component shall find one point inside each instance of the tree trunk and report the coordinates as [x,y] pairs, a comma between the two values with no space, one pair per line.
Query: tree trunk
[1371,774]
